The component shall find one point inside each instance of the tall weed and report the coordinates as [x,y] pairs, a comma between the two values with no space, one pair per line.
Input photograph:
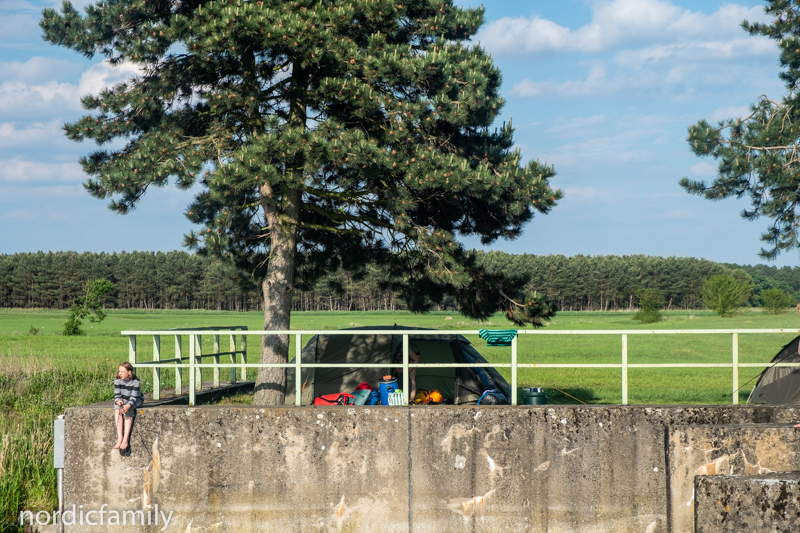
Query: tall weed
[32,395]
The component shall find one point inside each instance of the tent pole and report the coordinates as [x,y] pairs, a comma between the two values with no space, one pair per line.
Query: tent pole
[405,369]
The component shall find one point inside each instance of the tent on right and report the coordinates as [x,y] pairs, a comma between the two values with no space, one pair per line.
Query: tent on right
[780,385]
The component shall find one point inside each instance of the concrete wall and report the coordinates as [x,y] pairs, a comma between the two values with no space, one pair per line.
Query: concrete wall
[524,468]
[757,503]
[724,450]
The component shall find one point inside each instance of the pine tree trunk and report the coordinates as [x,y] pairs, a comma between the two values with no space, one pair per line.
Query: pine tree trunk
[283,217]
[278,290]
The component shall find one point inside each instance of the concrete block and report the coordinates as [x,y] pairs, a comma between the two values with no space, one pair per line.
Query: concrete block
[708,450]
[762,503]
[244,469]
[385,469]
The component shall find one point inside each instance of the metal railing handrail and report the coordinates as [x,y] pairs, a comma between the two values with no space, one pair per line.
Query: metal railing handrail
[195,357]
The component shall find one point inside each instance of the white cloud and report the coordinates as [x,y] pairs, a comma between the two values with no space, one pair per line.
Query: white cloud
[619,23]
[594,84]
[19,170]
[589,195]
[703,170]
[37,70]
[31,135]
[31,196]
[577,127]
[725,113]
[20,98]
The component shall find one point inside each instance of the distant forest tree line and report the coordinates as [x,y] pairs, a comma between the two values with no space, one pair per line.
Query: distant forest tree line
[179,280]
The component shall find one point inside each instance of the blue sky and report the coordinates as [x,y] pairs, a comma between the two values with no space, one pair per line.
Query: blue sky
[603,89]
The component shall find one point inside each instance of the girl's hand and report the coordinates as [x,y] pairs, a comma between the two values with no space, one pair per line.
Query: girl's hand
[119,402]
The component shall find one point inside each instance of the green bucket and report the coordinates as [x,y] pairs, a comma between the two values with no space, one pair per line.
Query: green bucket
[535,396]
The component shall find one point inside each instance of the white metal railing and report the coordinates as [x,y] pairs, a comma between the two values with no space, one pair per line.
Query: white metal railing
[195,363]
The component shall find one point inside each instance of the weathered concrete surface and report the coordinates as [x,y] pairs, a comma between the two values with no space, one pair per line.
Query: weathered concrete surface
[421,469]
[245,469]
[724,449]
[764,503]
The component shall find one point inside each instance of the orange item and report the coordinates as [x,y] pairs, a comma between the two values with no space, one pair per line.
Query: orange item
[435,397]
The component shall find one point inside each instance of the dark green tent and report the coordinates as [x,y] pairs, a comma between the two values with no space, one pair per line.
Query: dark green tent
[780,385]
[457,385]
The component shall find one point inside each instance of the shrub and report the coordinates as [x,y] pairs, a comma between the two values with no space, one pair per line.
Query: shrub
[650,301]
[726,294]
[775,301]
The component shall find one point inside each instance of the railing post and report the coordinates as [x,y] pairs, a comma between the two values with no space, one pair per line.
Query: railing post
[298,375]
[735,364]
[178,369]
[192,375]
[514,370]
[157,371]
[132,349]
[198,353]
[216,361]
[405,369]
[624,369]
[233,359]
[244,357]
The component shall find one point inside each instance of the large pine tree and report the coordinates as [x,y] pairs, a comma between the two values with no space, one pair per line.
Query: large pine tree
[758,154]
[323,133]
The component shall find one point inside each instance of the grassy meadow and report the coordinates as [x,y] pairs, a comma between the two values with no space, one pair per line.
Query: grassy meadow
[42,374]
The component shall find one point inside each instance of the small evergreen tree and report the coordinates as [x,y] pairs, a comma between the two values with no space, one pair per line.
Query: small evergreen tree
[650,301]
[775,301]
[87,305]
[725,294]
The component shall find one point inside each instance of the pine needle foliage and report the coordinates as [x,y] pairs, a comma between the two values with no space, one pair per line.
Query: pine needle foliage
[87,305]
[362,126]
[321,134]
[650,301]
[758,155]
[775,301]
[727,294]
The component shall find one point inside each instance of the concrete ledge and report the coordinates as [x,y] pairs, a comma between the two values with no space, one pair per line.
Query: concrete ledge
[756,503]
[207,394]
[724,450]
[390,469]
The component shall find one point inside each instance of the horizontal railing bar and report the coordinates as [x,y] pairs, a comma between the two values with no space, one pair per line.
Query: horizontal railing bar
[467,332]
[652,332]
[756,365]
[163,364]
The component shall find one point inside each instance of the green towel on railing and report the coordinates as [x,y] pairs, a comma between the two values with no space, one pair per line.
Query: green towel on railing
[498,337]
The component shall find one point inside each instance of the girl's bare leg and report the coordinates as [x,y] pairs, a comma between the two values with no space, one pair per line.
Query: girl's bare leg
[118,422]
[797,425]
[128,424]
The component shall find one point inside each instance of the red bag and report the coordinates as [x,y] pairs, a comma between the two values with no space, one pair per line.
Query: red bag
[342,398]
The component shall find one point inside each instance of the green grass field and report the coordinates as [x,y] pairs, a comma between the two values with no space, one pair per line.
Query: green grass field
[42,374]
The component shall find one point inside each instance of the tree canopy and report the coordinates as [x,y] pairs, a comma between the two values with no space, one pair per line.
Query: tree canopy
[758,154]
[321,135]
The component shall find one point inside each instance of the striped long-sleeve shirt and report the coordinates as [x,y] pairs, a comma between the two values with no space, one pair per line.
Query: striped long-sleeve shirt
[127,391]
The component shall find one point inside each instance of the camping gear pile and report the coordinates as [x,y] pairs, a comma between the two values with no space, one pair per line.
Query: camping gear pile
[457,386]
